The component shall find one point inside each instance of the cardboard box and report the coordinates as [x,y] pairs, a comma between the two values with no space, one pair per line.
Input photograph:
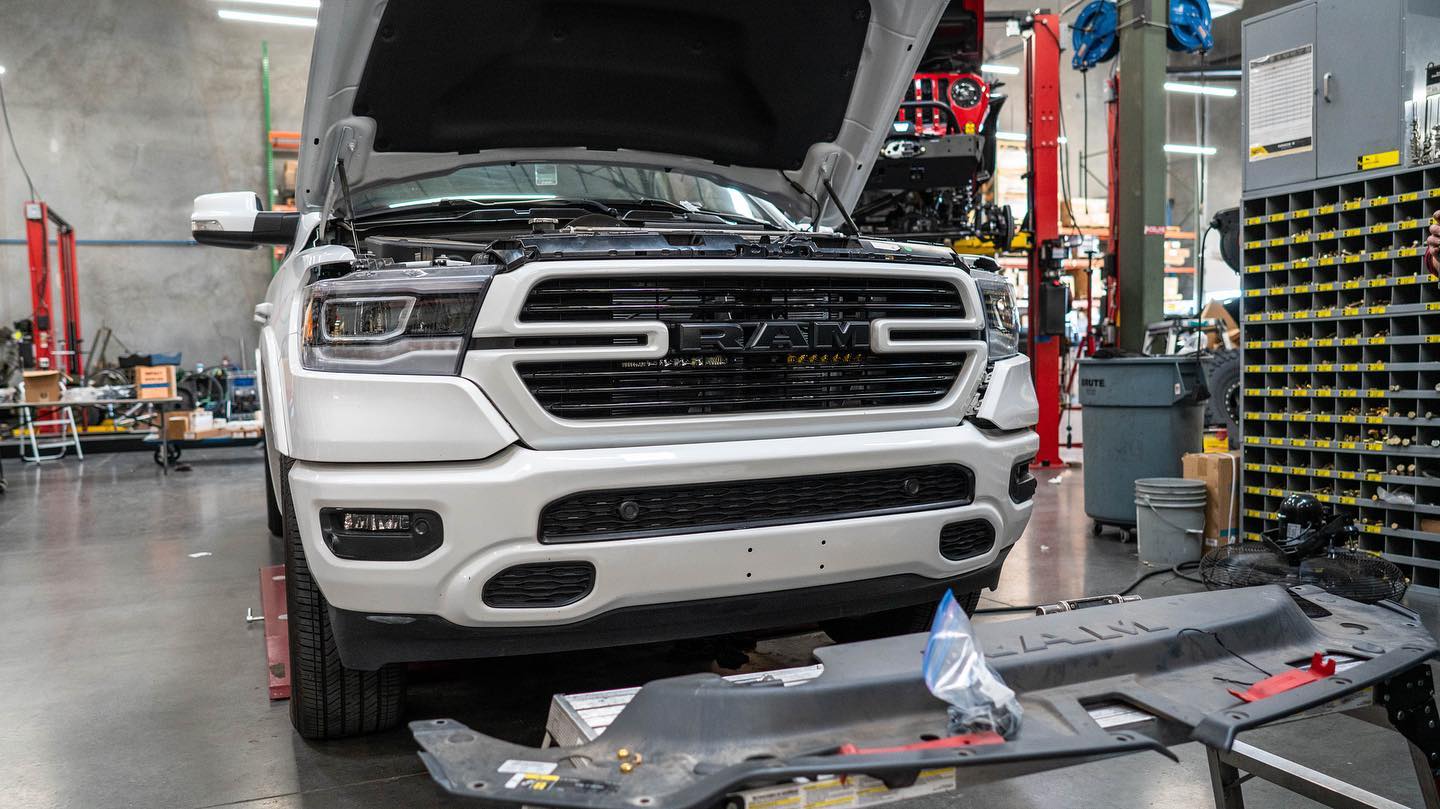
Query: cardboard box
[154,382]
[1430,525]
[1215,310]
[177,425]
[1220,471]
[42,386]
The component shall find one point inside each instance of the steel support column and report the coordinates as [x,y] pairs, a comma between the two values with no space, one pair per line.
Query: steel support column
[1141,184]
[1042,131]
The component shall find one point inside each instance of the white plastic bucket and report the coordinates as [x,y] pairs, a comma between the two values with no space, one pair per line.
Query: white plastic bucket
[1170,520]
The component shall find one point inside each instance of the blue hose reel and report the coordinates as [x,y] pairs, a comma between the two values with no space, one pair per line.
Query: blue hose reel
[1190,26]
[1093,35]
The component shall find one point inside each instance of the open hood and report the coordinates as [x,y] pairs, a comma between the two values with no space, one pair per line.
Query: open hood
[742,90]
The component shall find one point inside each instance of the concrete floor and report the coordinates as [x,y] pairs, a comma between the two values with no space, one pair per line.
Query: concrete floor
[128,677]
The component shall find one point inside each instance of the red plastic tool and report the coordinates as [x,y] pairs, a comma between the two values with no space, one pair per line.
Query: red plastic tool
[963,740]
[1320,668]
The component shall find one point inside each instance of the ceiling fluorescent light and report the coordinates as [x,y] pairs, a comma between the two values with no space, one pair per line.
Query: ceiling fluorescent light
[273,19]
[1021,138]
[1186,148]
[312,5]
[1218,10]
[1000,70]
[1199,89]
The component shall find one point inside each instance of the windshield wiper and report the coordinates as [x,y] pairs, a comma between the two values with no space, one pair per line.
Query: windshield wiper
[520,202]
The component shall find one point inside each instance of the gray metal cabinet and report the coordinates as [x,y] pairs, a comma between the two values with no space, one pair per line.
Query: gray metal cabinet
[1276,32]
[1360,107]
[1370,60]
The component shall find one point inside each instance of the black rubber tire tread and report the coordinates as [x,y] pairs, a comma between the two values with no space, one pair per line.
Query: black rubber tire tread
[328,700]
[274,519]
[902,621]
[1222,377]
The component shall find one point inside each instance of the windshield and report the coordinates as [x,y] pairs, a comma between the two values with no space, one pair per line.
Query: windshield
[532,182]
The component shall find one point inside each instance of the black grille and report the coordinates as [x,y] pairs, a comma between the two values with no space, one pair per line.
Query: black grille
[675,387]
[962,540]
[740,298]
[630,513]
[718,383]
[542,584]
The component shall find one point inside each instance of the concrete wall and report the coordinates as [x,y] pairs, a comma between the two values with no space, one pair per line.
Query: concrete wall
[123,111]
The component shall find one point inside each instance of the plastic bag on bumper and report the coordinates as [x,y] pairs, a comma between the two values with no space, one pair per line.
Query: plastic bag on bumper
[956,671]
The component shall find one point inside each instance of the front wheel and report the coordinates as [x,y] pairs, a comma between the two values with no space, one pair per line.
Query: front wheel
[328,700]
[902,621]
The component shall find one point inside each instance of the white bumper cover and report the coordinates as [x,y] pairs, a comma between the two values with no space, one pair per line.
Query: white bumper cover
[491,509]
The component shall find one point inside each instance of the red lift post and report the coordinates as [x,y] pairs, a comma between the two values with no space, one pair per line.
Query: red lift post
[1042,139]
[58,351]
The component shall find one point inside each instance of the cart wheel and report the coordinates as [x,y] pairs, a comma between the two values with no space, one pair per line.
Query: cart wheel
[174,455]
[1096,528]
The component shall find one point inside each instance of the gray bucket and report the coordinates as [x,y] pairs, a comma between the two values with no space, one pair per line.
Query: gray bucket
[1170,518]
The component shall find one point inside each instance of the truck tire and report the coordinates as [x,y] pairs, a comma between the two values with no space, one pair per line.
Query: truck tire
[1222,377]
[328,700]
[274,520]
[902,621]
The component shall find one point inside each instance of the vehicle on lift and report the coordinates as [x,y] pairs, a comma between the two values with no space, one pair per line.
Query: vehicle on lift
[561,377]
[941,147]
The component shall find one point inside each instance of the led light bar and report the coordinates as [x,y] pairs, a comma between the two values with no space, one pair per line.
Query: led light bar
[272,19]
[313,5]
[1186,148]
[1000,70]
[1200,89]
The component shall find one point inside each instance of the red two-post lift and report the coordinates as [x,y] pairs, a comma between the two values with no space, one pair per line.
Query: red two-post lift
[1047,295]
[59,350]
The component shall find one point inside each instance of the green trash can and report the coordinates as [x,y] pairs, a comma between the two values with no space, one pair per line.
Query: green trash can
[1141,414]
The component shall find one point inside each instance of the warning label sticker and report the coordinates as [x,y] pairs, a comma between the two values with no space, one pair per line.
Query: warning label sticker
[1281,105]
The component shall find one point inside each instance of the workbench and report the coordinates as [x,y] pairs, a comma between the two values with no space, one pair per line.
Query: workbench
[29,425]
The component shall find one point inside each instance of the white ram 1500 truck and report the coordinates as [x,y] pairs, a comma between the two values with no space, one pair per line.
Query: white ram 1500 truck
[571,346]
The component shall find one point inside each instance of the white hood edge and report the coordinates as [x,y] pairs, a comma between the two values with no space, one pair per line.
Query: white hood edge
[897,34]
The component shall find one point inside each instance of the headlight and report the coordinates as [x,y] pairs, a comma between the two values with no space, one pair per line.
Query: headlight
[1002,320]
[966,93]
[398,320]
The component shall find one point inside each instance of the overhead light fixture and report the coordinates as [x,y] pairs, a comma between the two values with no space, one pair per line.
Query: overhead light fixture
[313,5]
[1199,89]
[1186,148]
[1218,10]
[2,70]
[1000,70]
[272,19]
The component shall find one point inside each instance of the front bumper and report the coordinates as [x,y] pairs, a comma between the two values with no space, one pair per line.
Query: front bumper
[1092,684]
[491,509]
[368,645]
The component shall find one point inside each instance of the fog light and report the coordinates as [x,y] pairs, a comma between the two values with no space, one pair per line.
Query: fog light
[380,536]
[374,521]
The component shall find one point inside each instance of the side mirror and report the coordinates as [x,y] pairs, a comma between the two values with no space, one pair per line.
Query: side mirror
[237,219]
